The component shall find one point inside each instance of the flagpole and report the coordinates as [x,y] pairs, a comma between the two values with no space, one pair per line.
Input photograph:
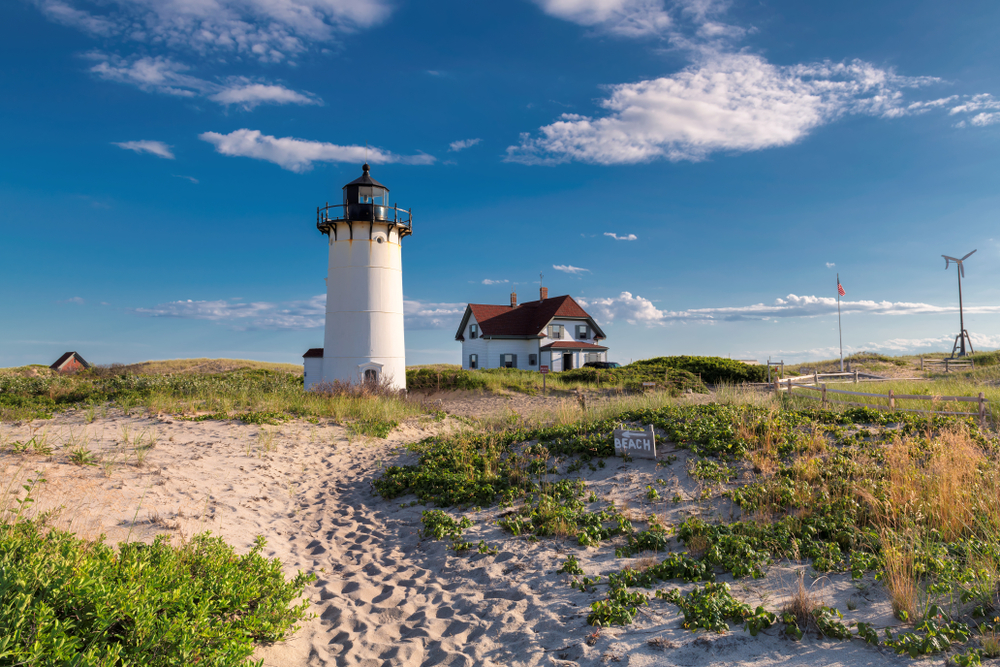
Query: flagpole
[840,329]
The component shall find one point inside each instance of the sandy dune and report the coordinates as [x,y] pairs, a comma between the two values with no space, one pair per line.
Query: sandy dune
[384,596]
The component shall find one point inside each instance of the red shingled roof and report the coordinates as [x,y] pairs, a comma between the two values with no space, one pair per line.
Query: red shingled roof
[572,345]
[527,319]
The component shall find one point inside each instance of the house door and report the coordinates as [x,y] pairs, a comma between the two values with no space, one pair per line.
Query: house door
[567,361]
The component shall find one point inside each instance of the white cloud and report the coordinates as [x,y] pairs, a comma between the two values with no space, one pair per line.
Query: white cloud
[727,102]
[627,237]
[427,315]
[567,268]
[268,30]
[456,146]
[940,343]
[294,315]
[248,94]
[152,147]
[830,265]
[169,77]
[487,281]
[189,178]
[298,155]
[630,18]
[639,310]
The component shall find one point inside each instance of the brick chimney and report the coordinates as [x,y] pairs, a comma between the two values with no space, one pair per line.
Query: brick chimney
[543,292]
[513,299]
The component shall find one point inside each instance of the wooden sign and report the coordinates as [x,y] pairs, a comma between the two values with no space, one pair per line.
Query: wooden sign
[637,444]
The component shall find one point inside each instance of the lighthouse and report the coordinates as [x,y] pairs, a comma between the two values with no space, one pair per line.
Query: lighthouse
[363,340]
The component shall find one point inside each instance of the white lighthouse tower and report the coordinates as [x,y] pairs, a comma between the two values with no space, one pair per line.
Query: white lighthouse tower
[364,288]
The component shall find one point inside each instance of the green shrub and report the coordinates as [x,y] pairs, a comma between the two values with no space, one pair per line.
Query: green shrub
[64,601]
[713,370]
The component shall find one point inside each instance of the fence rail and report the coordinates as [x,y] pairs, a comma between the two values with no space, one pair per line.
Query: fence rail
[948,363]
[791,388]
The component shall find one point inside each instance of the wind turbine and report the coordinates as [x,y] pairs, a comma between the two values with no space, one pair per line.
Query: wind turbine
[963,335]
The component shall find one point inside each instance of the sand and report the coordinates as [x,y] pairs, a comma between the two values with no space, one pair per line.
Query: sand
[384,596]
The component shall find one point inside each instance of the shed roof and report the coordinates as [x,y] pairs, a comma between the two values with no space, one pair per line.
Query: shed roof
[61,361]
[313,352]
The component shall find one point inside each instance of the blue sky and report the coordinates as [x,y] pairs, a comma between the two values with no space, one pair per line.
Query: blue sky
[694,172]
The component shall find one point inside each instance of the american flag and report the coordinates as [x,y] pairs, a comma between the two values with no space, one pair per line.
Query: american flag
[840,288]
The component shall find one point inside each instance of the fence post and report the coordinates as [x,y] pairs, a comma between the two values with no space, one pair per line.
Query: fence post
[777,386]
[816,377]
[982,410]
[782,368]
[769,372]
[946,364]
[921,364]
[823,401]
[892,400]
[855,376]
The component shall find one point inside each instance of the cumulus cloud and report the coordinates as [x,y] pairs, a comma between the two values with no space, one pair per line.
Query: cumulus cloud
[940,343]
[168,77]
[732,102]
[639,310]
[294,315]
[568,268]
[456,146]
[630,18]
[298,155]
[268,30]
[487,281]
[152,147]
[626,237]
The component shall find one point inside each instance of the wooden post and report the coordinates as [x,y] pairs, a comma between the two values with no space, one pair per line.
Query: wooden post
[769,372]
[921,364]
[892,400]
[982,409]
[439,382]
[815,377]
[946,364]
[823,400]
[543,384]
[777,386]
[782,368]
[855,376]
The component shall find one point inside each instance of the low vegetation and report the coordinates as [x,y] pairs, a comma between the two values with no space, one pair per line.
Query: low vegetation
[910,499]
[66,601]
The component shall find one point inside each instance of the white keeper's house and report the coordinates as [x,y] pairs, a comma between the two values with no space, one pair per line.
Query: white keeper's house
[554,332]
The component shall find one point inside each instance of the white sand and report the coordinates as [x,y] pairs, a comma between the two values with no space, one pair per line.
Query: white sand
[384,596]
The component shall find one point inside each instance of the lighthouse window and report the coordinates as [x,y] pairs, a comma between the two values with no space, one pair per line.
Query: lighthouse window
[371,376]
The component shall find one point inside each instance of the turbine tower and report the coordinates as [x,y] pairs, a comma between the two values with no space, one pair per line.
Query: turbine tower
[363,340]
[963,335]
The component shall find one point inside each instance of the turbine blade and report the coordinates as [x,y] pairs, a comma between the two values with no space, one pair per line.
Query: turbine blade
[968,256]
[945,263]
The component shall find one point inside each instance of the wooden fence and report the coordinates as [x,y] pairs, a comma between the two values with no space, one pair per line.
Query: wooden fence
[948,363]
[793,388]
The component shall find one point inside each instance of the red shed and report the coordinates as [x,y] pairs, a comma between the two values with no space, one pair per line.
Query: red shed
[71,362]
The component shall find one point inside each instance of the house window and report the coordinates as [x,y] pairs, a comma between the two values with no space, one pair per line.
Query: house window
[593,356]
[556,331]
[532,359]
[473,361]
[582,331]
[473,331]
[508,360]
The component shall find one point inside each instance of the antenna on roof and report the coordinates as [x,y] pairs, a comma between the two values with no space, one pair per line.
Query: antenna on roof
[963,335]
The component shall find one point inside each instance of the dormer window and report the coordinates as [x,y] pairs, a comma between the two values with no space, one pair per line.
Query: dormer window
[556,331]
[473,331]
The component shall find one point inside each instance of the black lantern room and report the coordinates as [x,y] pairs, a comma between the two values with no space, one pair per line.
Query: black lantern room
[365,198]
[366,201]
